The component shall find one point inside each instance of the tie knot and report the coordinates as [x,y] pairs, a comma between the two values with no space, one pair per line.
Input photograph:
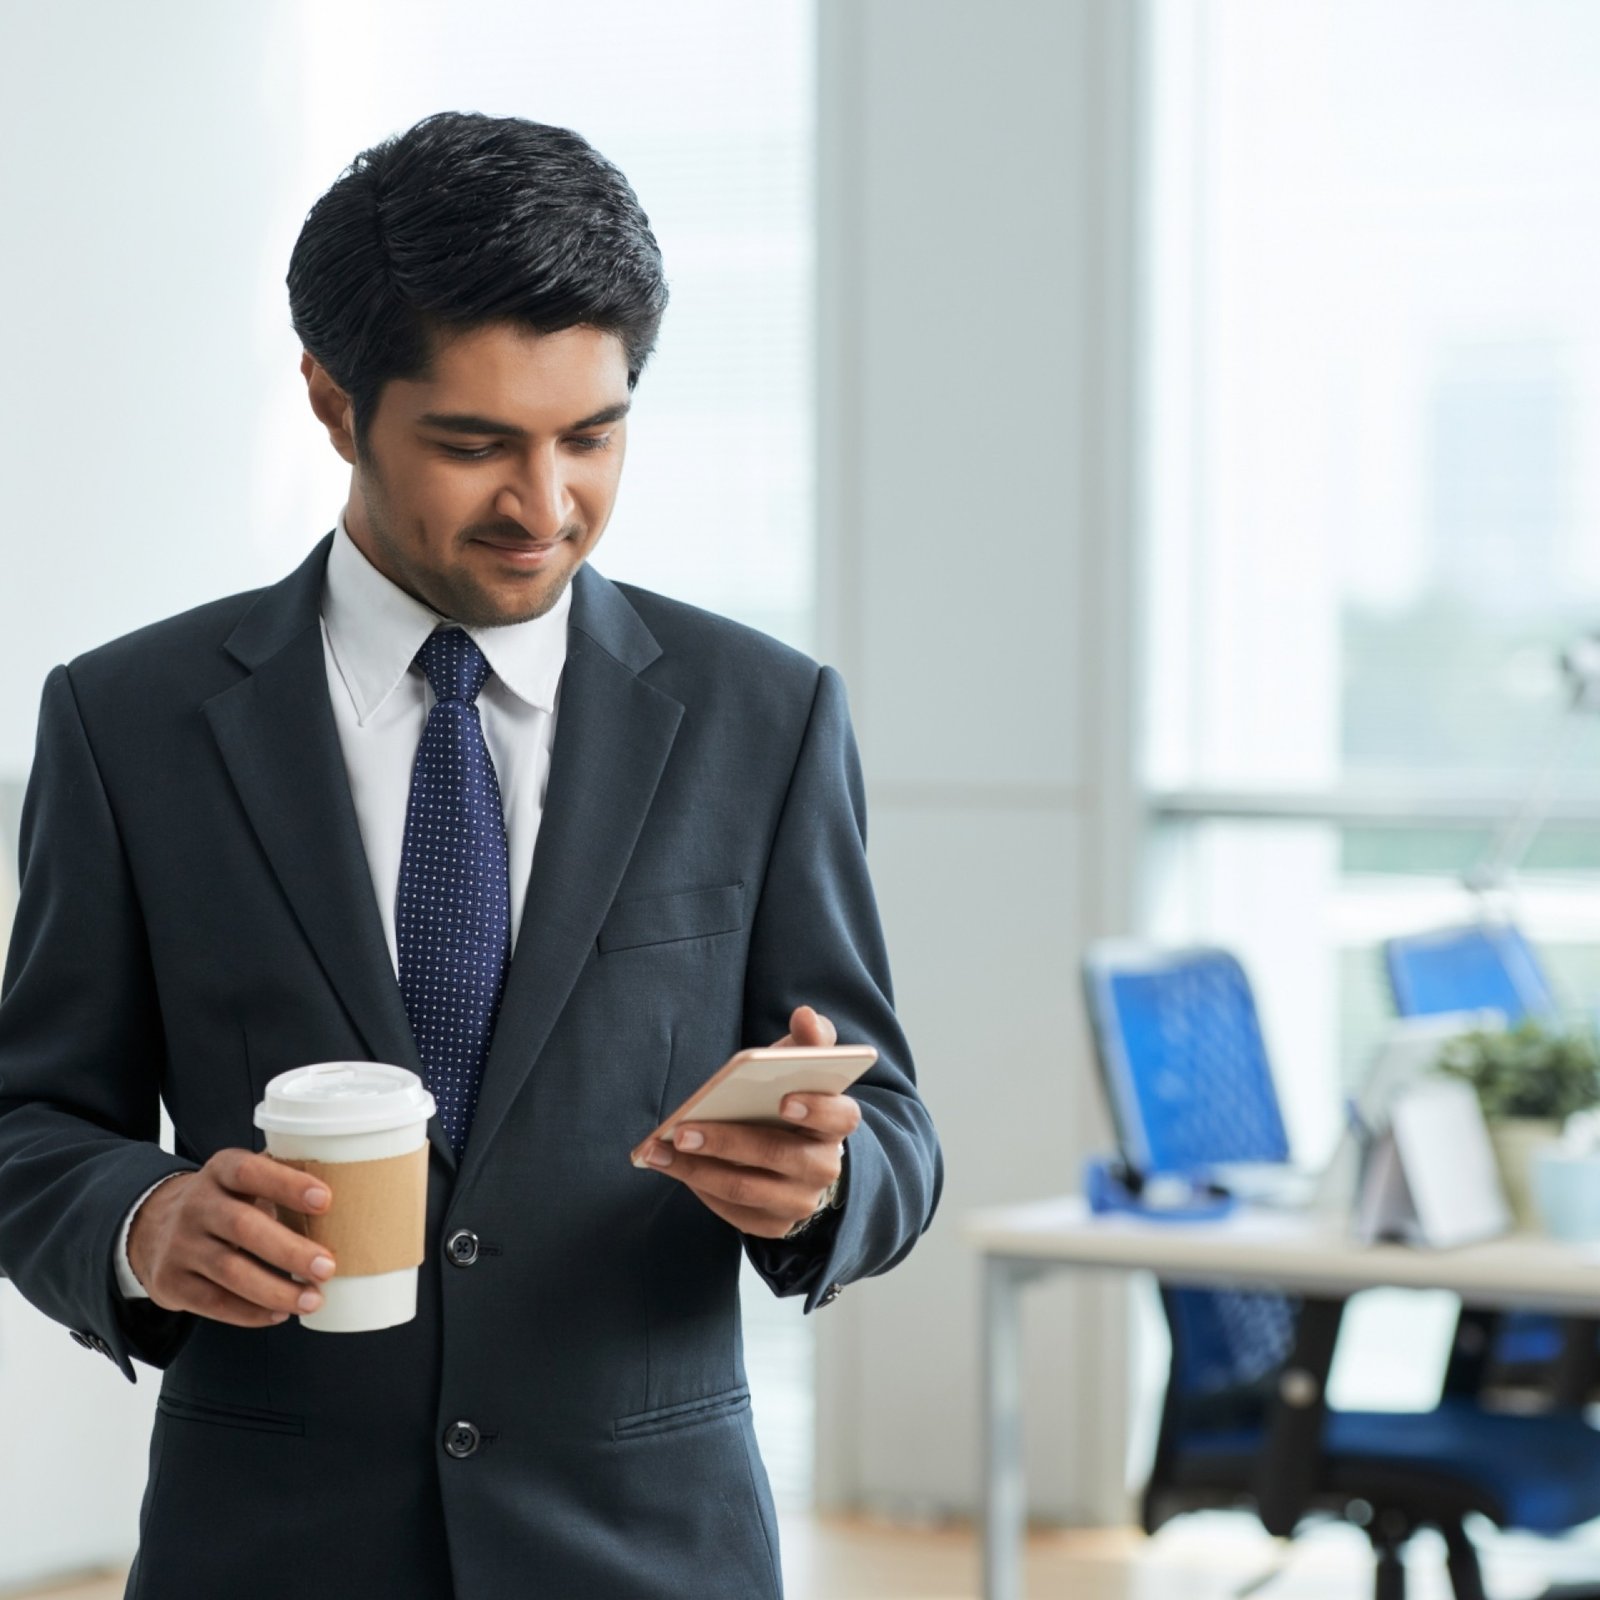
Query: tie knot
[455,667]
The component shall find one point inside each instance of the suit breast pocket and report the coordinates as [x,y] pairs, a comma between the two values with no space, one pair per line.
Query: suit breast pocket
[672,918]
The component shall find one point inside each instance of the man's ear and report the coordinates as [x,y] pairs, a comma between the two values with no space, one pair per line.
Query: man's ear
[331,405]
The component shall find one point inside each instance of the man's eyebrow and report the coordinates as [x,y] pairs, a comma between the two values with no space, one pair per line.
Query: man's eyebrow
[471,423]
[610,414]
[467,422]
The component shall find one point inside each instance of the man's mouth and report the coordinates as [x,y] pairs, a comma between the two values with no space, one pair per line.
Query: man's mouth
[522,552]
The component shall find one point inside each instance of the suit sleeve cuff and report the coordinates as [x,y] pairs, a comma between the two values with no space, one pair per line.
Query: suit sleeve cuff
[797,1264]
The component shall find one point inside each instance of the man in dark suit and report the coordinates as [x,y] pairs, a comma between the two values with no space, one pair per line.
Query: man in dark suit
[447,798]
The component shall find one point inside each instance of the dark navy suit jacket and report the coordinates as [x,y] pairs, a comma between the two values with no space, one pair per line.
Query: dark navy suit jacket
[197,915]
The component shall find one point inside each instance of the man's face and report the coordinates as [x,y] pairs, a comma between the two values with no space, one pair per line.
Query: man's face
[482,486]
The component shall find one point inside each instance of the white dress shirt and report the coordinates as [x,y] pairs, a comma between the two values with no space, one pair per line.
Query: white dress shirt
[371,632]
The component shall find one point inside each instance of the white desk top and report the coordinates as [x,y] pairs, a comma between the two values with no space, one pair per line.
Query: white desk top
[1290,1251]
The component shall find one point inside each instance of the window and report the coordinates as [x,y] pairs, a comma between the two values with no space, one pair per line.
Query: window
[1374,379]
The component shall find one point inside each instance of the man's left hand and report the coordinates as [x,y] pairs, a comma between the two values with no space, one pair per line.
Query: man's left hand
[765,1180]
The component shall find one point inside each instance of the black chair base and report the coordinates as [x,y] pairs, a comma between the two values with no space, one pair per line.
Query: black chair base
[1389,1531]
[1461,1560]
[1391,1576]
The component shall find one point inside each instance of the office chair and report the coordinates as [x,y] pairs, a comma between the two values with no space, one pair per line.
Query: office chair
[1490,966]
[1487,966]
[1245,1419]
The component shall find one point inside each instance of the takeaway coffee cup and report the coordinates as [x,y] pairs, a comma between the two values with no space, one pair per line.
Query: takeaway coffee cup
[362,1128]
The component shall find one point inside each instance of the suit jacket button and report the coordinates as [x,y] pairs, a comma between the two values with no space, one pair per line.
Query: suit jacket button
[461,1439]
[831,1294]
[97,1343]
[83,1339]
[462,1247]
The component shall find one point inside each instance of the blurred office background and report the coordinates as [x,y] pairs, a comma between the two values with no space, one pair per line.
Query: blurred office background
[1178,419]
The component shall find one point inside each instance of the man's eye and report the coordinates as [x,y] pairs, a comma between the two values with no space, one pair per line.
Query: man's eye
[599,441]
[461,452]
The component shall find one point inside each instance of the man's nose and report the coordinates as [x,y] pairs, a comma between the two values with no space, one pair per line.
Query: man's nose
[538,499]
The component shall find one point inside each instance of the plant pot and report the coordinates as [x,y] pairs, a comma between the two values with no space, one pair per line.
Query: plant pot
[1516,1141]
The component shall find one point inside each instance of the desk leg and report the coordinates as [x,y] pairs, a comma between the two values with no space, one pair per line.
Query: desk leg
[1004,1496]
[1575,1367]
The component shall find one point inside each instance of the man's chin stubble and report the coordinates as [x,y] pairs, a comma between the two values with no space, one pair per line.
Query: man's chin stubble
[473,608]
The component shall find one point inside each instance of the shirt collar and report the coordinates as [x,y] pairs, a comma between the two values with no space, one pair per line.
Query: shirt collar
[375,630]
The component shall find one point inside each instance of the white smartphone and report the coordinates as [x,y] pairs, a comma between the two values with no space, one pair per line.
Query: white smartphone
[750,1086]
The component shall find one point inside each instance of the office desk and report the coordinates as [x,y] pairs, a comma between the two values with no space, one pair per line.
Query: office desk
[1295,1253]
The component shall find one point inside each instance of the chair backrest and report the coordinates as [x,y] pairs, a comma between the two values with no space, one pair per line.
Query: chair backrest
[1188,1081]
[1182,1056]
[1484,966]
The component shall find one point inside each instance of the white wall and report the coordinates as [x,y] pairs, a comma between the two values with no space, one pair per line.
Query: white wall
[976,247]
[142,276]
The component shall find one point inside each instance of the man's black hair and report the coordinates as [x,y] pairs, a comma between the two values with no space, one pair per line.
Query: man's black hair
[462,221]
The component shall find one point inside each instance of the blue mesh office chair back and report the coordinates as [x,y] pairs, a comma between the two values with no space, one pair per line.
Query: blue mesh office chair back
[1188,1079]
[1485,966]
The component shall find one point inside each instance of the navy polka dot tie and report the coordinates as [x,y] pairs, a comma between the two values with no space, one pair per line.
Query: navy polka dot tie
[453,916]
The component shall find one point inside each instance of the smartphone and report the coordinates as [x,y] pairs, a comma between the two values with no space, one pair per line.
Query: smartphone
[750,1086]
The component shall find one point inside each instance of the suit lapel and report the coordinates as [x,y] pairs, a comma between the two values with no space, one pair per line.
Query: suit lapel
[613,736]
[277,735]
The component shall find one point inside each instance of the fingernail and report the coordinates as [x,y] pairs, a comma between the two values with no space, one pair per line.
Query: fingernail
[796,1110]
[322,1267]
[317,1197]
[689,1139]
[279,1316]
[660,1156]
[310,1300]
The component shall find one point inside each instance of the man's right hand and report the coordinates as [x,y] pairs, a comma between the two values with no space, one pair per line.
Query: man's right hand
[210,1241]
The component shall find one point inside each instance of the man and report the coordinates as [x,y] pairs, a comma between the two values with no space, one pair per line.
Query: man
[264,833]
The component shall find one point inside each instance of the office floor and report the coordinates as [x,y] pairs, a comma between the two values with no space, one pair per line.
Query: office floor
[1205,1559]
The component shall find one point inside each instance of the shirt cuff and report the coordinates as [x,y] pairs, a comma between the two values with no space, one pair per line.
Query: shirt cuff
[127,1285]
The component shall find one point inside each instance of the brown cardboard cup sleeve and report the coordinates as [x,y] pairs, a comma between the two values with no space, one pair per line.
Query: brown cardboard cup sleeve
[378,1219]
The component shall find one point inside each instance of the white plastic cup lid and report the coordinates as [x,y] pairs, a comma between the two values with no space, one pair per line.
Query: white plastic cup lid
[340,1097]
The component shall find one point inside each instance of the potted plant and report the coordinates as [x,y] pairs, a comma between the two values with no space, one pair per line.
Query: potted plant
[1529,1080]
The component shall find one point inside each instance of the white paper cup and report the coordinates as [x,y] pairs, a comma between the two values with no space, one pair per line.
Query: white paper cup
[345,1111]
